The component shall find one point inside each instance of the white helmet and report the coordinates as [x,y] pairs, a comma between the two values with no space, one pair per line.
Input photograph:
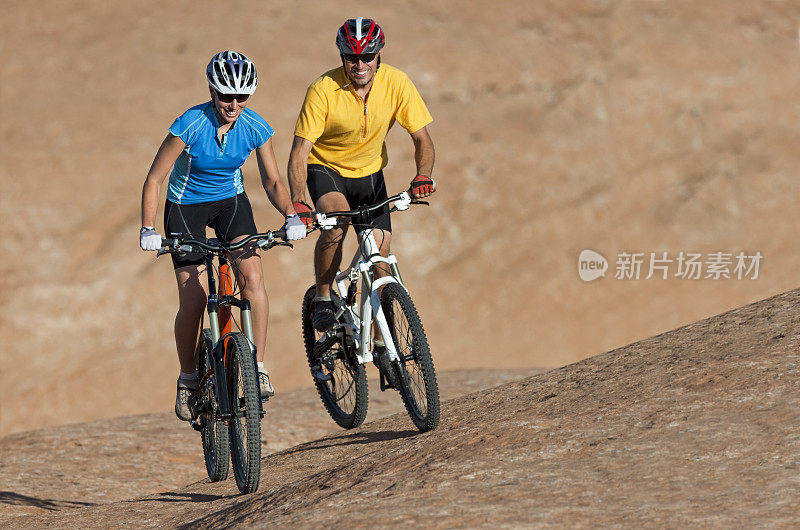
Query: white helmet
[231,72]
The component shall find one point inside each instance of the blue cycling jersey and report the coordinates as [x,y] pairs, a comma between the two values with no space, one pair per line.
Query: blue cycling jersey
[209,168]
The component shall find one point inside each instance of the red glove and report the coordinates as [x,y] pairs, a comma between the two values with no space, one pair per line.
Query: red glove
[422,185]
[303,212]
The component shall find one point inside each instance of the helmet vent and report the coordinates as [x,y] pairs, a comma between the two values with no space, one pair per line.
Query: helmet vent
[232,73]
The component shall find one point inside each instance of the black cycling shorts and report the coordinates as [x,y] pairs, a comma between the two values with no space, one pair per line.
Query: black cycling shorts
[230,218]
[362,191]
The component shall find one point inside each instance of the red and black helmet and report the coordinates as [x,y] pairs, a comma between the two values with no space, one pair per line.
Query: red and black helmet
[359,35]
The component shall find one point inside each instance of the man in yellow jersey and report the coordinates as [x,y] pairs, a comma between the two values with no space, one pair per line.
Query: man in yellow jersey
[339,149]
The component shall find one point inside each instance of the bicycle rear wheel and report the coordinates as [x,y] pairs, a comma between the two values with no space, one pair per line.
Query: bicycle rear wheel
[343,385]
[415,373]
[214,432]
[245,423]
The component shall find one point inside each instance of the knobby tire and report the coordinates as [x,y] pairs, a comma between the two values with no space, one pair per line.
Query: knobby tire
[345,395]
[245,425]
[214,434]
[414,371]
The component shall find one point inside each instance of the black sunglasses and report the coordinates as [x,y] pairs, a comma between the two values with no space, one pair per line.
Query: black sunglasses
[355,57]
[227,98]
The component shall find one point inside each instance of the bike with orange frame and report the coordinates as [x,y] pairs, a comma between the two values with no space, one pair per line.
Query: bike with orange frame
[229,403]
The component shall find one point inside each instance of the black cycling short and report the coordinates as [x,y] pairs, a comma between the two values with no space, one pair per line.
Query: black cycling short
[230,218]
[361,191]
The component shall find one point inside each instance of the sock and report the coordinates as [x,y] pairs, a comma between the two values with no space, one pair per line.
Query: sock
[322,298]
[188,377]
[261,367]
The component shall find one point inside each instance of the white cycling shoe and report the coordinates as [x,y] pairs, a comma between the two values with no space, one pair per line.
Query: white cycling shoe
[186,400]
[265,386]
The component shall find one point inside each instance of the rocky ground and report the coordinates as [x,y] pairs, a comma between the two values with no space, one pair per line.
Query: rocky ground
[696,427]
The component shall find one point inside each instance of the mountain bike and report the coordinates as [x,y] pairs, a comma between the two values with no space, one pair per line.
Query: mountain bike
[337,356]
[229,403]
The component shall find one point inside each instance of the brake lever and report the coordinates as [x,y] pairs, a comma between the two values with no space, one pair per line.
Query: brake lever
[272,243]
[426,203]
[175,248]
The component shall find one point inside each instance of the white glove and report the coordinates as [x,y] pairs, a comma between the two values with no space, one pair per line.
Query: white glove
[295,228]
[149,239]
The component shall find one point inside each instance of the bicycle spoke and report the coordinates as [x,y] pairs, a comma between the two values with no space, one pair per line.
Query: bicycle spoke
[342,385]
[245,424]
[214,433]
[417,378]
[343,393]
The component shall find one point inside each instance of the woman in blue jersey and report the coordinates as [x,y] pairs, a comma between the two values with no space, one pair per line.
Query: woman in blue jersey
[203,154]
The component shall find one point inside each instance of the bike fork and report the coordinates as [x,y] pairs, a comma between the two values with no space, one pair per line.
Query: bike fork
[380,317]
[247,328]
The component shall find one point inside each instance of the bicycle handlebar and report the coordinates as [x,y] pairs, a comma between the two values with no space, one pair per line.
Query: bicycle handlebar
[365,209]
[179,244]
[402,202]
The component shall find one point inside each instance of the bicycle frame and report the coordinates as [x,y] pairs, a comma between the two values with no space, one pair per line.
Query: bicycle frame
[225,289]
[336,355]
[221,324]
[220,302]
[359,326]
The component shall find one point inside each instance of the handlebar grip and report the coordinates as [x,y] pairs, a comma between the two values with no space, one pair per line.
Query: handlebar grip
[280,233]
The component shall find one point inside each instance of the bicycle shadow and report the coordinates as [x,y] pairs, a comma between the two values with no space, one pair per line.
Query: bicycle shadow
[13,498]
[356,438]
[174,496]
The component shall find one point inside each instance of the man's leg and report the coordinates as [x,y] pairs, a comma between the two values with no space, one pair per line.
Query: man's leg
[384,240]
[327,258]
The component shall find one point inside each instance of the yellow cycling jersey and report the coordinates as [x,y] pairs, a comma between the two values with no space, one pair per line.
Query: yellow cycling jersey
[348,133]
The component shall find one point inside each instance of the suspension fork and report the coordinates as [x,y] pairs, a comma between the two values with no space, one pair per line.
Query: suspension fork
[221,324]
[226,301]
[371,303]
[218,351]
[226,293]
[380,317]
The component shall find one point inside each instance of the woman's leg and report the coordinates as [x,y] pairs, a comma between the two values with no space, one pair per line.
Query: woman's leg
[192,297]
[250,278]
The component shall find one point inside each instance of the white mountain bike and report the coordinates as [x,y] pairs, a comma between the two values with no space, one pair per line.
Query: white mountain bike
[337,356]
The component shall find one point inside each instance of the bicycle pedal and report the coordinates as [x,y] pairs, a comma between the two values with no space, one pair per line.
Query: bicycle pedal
[318,374]
[388,380]
[324,343]
[385,385]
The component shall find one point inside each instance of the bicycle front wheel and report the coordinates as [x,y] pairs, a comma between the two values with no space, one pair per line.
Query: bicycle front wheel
[245,423]
[415,373]
[340,380]
[214,433]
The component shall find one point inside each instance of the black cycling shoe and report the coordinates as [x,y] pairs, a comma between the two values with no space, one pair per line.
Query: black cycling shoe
[318,373]
[324,315]
[381,360]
